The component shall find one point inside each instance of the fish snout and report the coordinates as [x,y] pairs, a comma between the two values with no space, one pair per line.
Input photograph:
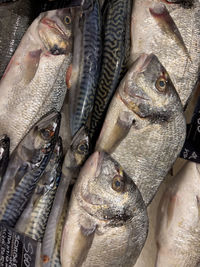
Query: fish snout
[55,39]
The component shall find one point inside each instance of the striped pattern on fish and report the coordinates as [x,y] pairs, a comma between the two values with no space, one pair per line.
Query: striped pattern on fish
[113,57]
[90,67]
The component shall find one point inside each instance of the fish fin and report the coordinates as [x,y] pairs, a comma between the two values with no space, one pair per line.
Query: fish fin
[198,205]
[68,76]
[31,64]
[170,209]
[168,26]
[118,133]
[78,245]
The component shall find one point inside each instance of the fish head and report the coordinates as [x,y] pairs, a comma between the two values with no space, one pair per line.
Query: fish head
[55,30]
[78,150]
[106,192]
[41,137]
[148,90]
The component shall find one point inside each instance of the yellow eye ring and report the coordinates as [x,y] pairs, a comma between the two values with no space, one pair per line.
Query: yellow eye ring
[161,84]
[67,20]
[118,183]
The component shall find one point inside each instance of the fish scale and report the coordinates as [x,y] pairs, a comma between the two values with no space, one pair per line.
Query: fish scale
[114,51]
[90,67]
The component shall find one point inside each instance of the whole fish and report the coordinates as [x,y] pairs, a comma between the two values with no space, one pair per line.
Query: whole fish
[4,155]
[86,65]
[34,217]
[15,17]
[144,129]
[107,222]
[115,52]
[34,81]
[74,158]
[26,166]
[178,220]
[170,30]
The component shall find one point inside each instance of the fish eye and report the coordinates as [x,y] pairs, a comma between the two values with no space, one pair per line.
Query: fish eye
[83,148]
[161,84]
[118,183]
[47,133]
[67,20]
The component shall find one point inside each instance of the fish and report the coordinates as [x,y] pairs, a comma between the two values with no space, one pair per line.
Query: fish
[106,222]
[116,37]
[35,80]
[26,166]
[15,18]
[54,259]
[74,158]
[171,31]
[86,65]
[178,220]
[34,218]
[145,128]
[4,155]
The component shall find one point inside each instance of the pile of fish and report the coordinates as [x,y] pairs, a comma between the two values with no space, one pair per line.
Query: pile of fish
[92,100]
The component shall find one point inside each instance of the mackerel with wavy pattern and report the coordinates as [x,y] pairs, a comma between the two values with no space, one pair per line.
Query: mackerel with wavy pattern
[116,49]
[84,88]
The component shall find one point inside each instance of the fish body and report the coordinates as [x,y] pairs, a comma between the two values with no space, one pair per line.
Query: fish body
[144,129]
[26,166]
[170,30]
[4,155]
[178,220]
[34,82]
[15,18]
[83,89]
[116,32]
[34,218]
[106,222]
[74,158]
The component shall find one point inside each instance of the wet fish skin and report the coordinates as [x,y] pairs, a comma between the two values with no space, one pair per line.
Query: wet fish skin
[178,50]
[15,17]
[178,220]
[144,129]
[74,158]
[4,155]
[107,222]
[83,89]
[26,166]
[34,82]
[114,53]
[34,218]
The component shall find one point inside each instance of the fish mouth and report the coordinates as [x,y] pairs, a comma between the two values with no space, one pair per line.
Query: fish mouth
[142,62]
[56,41]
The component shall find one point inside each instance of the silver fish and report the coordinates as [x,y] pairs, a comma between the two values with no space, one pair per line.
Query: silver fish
[74,158]
[170,30]
[107,222]
[34,81]
[144,129]
[178,220]
[34,218]
[26,166]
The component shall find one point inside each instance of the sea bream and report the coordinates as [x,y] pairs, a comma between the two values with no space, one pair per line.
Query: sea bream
[15,18]
[107,222]
[144,129]
[178,220]
[35,79]
[170,30]
[26,166]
